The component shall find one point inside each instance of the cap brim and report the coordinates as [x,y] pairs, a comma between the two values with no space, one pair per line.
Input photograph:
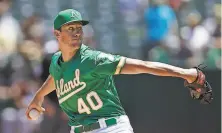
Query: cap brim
[84,22]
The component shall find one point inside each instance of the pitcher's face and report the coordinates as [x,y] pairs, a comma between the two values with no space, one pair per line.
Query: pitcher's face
[70,35]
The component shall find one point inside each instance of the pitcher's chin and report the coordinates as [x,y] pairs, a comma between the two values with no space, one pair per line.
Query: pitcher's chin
[76,44]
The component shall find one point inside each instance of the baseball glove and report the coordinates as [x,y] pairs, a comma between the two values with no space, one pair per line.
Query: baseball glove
[200,89]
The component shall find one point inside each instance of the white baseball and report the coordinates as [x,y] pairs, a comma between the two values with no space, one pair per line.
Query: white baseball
[34,114]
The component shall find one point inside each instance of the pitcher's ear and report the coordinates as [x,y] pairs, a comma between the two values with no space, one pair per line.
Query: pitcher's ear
[57,33]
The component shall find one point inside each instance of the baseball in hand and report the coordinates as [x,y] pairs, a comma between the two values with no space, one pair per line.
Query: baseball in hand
[34,114]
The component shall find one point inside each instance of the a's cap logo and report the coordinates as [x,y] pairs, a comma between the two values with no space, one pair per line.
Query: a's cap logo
[74,14]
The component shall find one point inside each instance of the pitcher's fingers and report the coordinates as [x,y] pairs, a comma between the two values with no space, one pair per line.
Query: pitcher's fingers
[43,109]
[28,109]
[40,109]
[27,113]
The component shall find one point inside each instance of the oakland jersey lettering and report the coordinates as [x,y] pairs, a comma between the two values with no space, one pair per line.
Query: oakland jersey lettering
[63,89]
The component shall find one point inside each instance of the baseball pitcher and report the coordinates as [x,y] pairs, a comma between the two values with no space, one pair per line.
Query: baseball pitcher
[83,80]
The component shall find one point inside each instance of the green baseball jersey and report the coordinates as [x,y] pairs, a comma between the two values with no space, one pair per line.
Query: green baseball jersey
[85,86]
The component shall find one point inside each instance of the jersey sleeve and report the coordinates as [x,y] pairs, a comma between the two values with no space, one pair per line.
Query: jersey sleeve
[108,64]
[53,64]
[51,69]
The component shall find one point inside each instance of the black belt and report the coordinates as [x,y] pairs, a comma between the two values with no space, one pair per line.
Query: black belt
[94,126]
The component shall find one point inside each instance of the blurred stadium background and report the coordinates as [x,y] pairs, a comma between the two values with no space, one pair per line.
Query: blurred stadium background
[184,33]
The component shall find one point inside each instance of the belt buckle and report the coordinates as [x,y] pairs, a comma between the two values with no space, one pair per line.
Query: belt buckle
[105,123]
[82,129]
[87,128]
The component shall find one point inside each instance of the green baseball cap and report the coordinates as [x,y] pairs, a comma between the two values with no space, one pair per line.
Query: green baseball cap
[67,16]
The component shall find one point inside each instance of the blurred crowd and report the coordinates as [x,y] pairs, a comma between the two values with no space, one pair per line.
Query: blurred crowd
[182,39]
[170,34]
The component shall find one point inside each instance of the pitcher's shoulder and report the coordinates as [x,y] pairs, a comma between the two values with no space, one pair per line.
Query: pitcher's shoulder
[56,56]
[89,52]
